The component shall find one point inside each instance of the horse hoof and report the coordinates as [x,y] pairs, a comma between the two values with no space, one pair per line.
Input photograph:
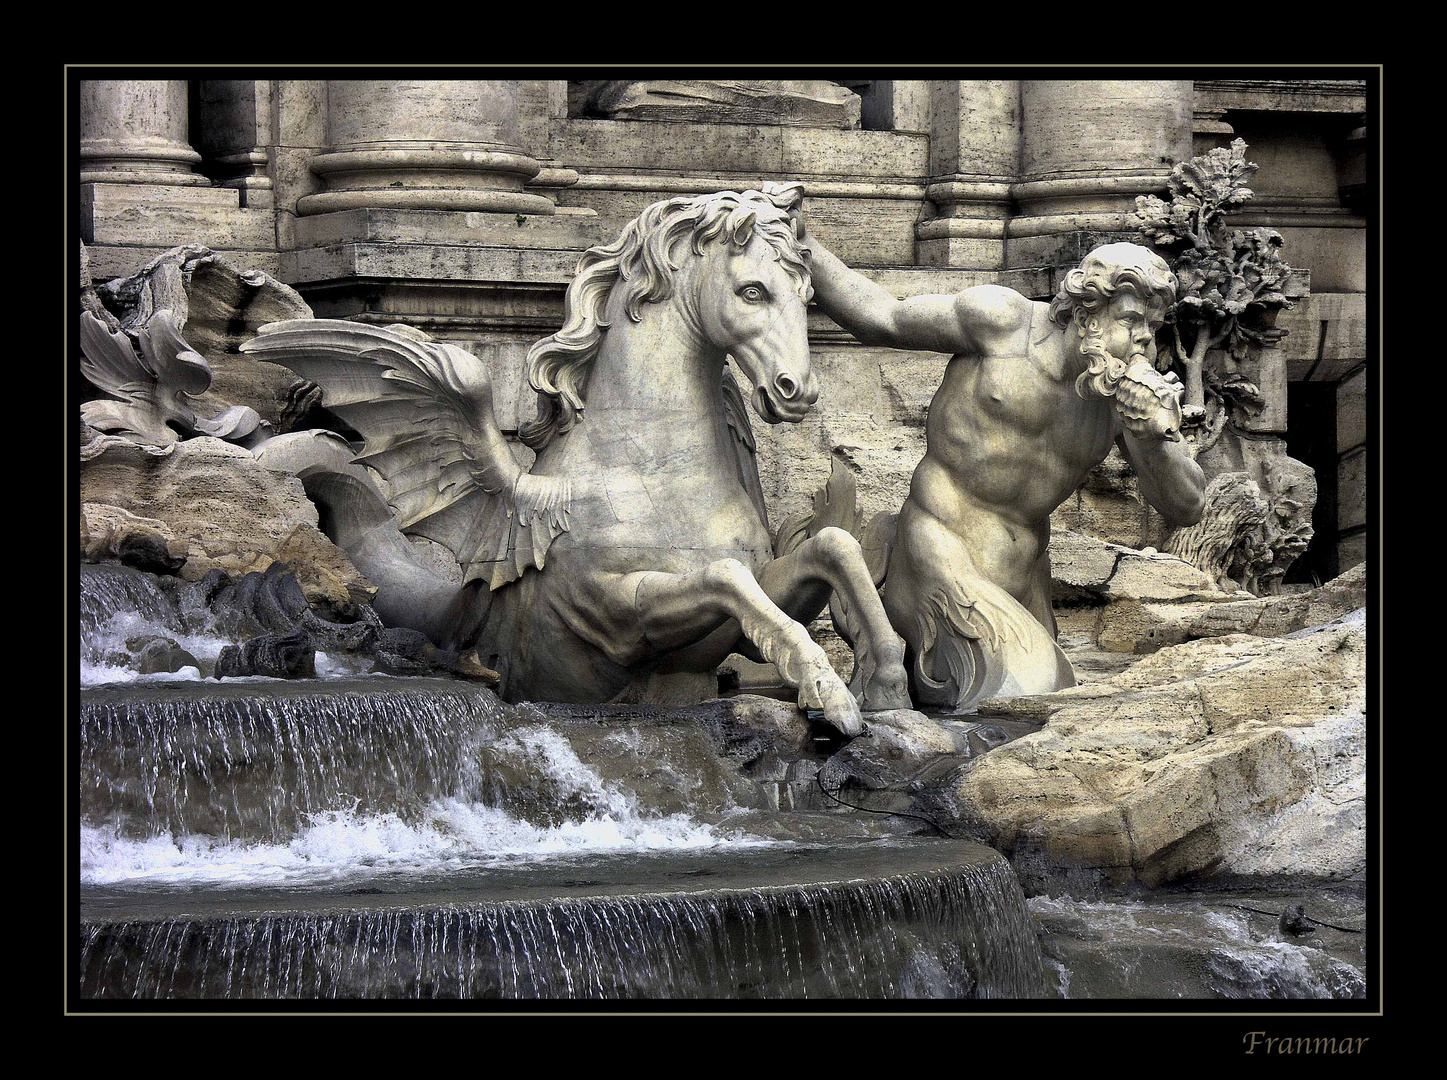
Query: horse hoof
[841,710]
[882,693]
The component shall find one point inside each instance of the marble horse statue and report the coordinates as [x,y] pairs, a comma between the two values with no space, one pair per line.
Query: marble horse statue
[636,544]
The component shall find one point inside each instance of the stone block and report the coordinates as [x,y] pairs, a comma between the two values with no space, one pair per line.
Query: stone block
[1351,412]
[1352,550]
[962,251]
[515,231]
[428,262]
[108,262]
[142,214]
[1337,256]
[1351,493]
[612,146]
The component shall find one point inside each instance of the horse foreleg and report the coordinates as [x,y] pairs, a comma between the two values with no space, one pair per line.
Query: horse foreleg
[678,609]
[833,561]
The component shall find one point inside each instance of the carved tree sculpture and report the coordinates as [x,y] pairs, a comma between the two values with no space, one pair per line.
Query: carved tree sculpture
[1228,279]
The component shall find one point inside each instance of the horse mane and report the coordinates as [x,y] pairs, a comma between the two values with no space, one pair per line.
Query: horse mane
[642,262]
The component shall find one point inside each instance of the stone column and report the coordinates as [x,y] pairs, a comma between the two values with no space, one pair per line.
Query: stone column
[424,145]
[234,134]
[974,152]
[134,132]
[1088,148]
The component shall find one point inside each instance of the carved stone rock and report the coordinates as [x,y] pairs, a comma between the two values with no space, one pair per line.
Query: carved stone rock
[1273,616]
[899,745]
[155,343]
[228,511]
[110,534]
[1238,755]
[795,102]
[161,654]
[1126,600]
[280,656]
[165,342]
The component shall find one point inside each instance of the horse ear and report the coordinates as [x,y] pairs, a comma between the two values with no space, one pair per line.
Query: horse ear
[741,225]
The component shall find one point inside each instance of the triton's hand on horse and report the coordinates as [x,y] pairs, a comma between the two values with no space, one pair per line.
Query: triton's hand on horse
[637,542]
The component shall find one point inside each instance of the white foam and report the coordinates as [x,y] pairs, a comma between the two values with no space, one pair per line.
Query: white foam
[342,845]
[105,657]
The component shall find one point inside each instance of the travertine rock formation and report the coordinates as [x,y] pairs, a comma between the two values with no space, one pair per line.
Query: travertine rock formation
[110,534]
[225,509]
[1239,755]
[1272,616]
[1127,600]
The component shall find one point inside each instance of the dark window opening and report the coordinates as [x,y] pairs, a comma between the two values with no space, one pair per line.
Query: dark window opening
[1311,438]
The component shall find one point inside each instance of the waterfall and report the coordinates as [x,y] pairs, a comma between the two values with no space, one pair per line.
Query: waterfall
[107,591]
[961,932]
[418,838]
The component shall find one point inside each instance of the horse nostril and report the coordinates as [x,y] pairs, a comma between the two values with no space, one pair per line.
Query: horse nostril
[786,386]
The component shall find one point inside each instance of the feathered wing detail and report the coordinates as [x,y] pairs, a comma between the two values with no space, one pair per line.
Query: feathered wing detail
[424,409]
[978,641]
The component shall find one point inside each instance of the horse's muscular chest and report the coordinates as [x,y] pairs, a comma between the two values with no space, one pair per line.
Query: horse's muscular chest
[668,483]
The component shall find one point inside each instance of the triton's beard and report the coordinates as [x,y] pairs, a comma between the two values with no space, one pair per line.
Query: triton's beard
[1103,372]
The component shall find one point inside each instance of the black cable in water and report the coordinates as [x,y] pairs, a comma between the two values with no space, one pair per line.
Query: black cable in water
[888,813]
[1281,916]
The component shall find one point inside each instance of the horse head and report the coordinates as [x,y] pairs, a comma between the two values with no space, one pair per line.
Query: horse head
[731,261]
[750,294]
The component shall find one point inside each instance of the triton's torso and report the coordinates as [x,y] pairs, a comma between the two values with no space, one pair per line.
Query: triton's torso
[1008,440]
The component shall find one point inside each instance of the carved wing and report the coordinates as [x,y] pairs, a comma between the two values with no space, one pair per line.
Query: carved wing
[424,409]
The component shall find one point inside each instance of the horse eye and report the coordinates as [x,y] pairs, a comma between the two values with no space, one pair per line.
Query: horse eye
[753,293]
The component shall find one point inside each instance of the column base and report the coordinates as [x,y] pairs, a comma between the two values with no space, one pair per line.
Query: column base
[156,161]
[478,179]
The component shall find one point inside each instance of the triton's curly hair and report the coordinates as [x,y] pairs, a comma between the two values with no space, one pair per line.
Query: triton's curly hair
[1088,290]
[643,261]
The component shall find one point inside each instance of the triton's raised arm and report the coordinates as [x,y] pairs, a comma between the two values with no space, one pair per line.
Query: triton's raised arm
[966,322]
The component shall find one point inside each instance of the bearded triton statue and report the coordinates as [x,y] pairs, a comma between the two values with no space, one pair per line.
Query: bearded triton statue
[1035,395]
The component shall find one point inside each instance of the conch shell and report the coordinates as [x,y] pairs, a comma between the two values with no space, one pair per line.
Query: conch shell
[1149,406]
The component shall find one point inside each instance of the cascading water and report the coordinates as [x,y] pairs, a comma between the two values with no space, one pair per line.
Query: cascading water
[417,838]
[922,930]
[107,592]
[122,610]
